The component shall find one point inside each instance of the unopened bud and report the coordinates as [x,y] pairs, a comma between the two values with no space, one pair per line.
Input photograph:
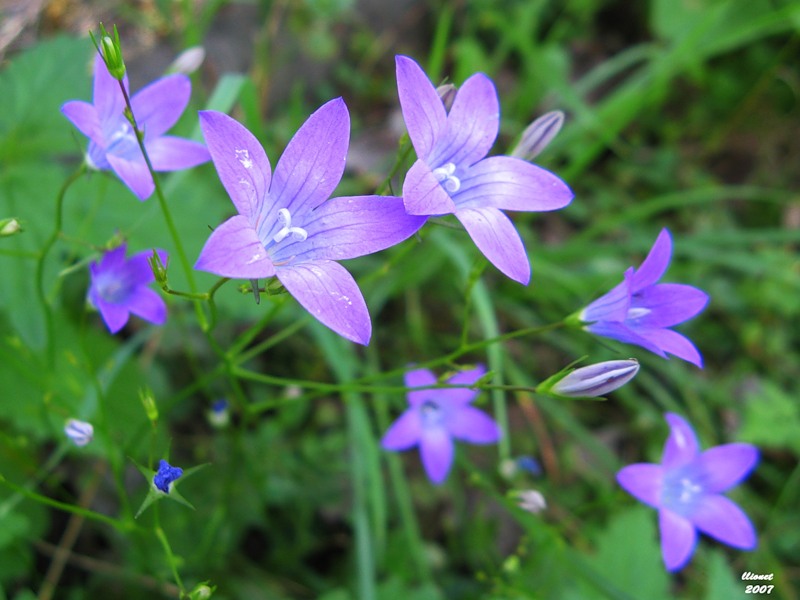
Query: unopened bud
[202,591]
[111,51]
[188,61]
[158,267]
[447,92]
[538,135]
[80,432]
[149,403]
[596,380]
[9,227]
[532,501]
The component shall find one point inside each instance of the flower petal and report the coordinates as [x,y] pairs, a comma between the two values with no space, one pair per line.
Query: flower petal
[494,235]
[722,467]
[147,304]
[611,306]
[419,378]
[107,96]
[621,333]
[656,263]
[134,174]
[472,425]
[643,481]
[114,315]
[422,107]
[234,250]
[511,184]
[159,105]
[404,433]
[678,539]
[722,519]
[673,343]
[668,304]
[84,116]
[330,294]
[313,162]
[423,194]
[344,228]
[169,153]
[681,446]
[462,395]
[241,163]
[472,125]
[436,449]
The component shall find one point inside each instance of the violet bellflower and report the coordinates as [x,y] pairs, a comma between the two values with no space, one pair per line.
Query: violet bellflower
[165,476]
[640,311]
[686,489]
[436,417]
[453,176]
[112,140]
[287,227]
[119,287]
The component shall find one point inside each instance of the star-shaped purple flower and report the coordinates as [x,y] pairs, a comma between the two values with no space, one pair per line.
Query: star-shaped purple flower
[640,311]
[165,476]
[287,227]
[119,287]
[436,417]
[113,142]
[452,175]
[686,489]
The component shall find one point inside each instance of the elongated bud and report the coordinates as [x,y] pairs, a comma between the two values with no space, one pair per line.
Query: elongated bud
[596,380]
[188,61]
[80,432]
[111,50]
[447,92]
[158,268]
[538,135]
[149,403]
[9,227]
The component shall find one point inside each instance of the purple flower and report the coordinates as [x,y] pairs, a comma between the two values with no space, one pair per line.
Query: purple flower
[687,487]
[113,142]
[640,311]
[165,475]
[286,225]
[119,287]
[452,175]
[436,417]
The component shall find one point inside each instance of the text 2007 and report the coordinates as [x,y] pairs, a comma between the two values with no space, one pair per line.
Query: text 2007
[758,589]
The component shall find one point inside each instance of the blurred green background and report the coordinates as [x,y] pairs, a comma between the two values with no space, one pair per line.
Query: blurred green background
[680,114]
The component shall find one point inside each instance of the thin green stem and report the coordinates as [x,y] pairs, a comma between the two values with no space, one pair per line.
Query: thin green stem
[173,564]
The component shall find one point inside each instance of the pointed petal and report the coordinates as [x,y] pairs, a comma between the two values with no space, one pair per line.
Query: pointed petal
[313,163]
[241,163]
[234,250]
[84,116]
[668,304]
[643,481]
[494,235]
[423,194]
[134,174]
[114,315]
[673,343]
[621,333]
[681,447]
[463,395]
[722,467]
[678,539]
[656,262]
[722,519]
[330,294]
[423,110]
[611,306]
[147,304]
[158,106]
[169,153]
[344,228]
[404,433]
[472,125]
[107,96]
[419,378]
[512,184]
[472,425]
[436,449]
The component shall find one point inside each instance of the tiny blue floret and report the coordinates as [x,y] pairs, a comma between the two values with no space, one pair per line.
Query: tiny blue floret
[166,475]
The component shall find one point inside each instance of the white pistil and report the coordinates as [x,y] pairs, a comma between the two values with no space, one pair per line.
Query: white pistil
[285,218]
[636,313]
[445,176]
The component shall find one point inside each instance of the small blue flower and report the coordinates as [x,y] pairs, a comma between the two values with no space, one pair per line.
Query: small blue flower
[166,475]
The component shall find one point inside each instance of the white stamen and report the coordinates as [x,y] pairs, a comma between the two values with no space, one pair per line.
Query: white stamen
[285,219]
[445,176]
[636,313]
[688,489]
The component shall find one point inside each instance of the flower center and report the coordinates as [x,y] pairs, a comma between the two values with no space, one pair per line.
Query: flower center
[285,219]
[445,176]
[432,414]
[122,140]
[681,491]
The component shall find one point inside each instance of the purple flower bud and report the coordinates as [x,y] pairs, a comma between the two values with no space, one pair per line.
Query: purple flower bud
[80,432]
[165,476]
[219,415]
[598,379]
[538,135]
